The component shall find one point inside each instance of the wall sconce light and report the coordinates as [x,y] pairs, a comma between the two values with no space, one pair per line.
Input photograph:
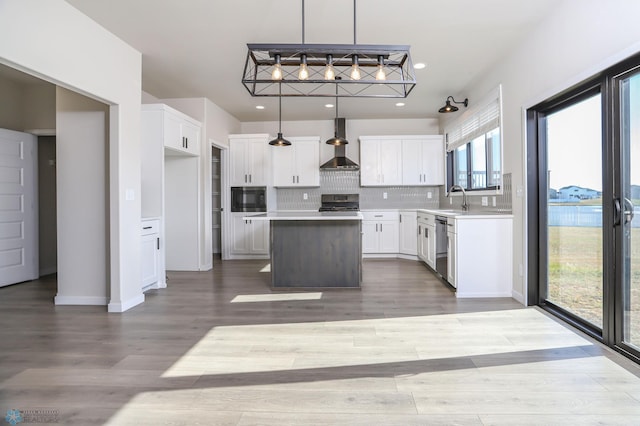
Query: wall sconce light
[452,108]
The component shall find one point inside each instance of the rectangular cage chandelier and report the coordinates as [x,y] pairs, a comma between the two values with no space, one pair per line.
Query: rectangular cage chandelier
[329,70]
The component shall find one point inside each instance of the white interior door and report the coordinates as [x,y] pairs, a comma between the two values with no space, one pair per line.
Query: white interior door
[18,227]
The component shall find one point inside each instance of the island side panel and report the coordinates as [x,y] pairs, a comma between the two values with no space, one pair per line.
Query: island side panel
[316,253]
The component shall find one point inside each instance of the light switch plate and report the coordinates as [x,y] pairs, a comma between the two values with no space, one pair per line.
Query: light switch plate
[305,196]
[485,201]
[384,195]
[129,195]
[429,195]
[493,201]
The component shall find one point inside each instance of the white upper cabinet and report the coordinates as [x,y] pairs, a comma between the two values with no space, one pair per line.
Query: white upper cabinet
[423,161]
[380,161]
[249,160]
[180,133]
[298,164]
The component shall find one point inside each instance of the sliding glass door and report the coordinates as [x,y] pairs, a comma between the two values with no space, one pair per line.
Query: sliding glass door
[584,185]
[574,208]
[629,92]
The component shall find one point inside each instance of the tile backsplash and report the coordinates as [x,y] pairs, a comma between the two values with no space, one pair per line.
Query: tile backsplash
[348,182]
[397,197]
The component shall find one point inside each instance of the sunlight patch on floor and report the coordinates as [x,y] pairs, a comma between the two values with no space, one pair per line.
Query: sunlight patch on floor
[238,349]
[276,297]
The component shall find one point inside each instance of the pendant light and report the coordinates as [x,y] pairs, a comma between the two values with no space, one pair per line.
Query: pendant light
[279,140]
[336,140]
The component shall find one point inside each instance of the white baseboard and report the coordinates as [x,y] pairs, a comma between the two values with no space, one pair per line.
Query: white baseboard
[408,256]
[519,297]
[79,300]
[379,255]
[481,295]
[206,267]
[126,305]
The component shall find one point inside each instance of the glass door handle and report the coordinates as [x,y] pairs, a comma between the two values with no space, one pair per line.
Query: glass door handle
[628,211]
[617,212]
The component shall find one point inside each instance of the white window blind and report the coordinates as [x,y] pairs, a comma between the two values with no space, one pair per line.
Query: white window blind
[475,122]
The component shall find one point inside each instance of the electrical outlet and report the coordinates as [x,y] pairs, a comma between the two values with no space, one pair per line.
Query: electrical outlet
[384,195]
[429,195]
[305,196]
[493,201]
[485,201]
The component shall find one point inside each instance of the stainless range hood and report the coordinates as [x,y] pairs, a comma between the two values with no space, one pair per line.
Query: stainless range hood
[340,160]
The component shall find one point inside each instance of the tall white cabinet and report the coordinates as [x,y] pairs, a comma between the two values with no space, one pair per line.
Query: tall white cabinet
[170,184]
[249,165]
[423,160]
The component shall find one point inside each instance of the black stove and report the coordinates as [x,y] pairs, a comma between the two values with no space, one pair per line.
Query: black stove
[340,203]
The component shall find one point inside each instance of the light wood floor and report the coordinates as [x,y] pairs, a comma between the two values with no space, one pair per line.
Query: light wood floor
[220,348]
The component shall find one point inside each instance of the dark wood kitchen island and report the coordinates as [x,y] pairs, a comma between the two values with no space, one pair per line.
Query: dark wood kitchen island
[312,250]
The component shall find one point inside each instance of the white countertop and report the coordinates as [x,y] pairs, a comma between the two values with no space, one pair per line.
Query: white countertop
[459,214]
[305,215]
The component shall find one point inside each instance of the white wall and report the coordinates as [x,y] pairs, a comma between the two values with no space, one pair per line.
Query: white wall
[82,194]
[65,47]
[354,129]
[578,39]
[39,107]
[10,105]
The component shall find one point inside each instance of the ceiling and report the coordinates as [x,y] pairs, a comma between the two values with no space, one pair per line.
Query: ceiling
[197,48]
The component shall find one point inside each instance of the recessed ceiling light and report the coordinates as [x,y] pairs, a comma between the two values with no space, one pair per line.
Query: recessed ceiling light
[329,105]
[400,104]
[259,107]
[419,66]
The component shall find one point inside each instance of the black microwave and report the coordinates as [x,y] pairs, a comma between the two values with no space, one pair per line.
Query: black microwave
[248,199]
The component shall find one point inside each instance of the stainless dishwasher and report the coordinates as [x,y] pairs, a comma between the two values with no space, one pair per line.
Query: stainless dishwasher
[441,246]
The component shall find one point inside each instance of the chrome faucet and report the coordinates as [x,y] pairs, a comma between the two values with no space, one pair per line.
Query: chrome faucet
[464,206]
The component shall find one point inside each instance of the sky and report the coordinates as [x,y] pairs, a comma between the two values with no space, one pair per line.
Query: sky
[574,142]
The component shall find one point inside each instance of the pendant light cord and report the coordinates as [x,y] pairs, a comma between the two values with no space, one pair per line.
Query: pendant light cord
[354,21]
[302,21]
[280,108]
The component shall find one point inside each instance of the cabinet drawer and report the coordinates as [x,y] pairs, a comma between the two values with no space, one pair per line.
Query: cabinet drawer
[378,216]
[452,225]
[428,219]
[150,227]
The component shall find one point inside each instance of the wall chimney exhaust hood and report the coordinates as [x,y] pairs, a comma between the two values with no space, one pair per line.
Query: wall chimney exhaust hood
[340,160]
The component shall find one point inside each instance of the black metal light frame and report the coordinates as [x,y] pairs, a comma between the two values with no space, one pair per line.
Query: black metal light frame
[452,108]
[394,59]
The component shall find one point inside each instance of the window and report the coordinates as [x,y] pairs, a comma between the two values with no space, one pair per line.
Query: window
[474,157]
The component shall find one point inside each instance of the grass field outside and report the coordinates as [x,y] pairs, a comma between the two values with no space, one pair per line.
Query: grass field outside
[575,275]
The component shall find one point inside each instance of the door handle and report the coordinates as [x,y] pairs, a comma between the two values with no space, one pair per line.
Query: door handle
[158,243]
[628,211]
[616,212]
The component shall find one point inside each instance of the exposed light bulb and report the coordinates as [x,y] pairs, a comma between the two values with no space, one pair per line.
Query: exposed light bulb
[355,69]
[380,74]
[329,71]
[276,74]
[303,74]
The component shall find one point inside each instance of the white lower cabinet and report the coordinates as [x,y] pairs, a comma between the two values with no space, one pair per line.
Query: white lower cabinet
[408,231]
[427,239]
[381,233]
[451,253]
[480,256]
[152,269]
[249,238]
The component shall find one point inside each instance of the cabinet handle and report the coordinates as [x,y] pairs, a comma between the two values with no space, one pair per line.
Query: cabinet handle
[186,142]
[147,227]
[158,243]
[426,233]
[419,230]
[249,177]
[380,227]
[377,215]
[293,179]
[245,178]
[400,218]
